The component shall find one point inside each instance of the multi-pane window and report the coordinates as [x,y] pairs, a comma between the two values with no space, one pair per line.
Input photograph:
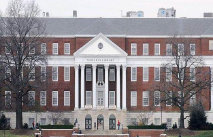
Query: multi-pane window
[192,74]
[66,98]
[32,49]
[88,97]
[182,74]
[55,48]
[133,98]
[192,98]
[157,48]
[169,123]
[43,73]
[145,98]
[157,74]
[180,49]
[43,48]
[192,49]
[169,49]
[55,73]
[156,121]
[145,73]
[210,44]
[134,74]
[31,98]
[100,74]
[32,74]
[66,73]
[7,73]
[111,98]
[145,49]
[7,98]
[169,98]
[168,73]
[111,74]
[43,121]
[157,98]
[43,98]
[133,48]
[88,74]
[66,48]
[55,98]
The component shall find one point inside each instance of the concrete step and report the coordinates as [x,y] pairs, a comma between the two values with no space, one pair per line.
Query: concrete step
[101,132]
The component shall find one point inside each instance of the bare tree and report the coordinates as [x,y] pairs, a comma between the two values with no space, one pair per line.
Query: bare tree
[20,40]
[184,75]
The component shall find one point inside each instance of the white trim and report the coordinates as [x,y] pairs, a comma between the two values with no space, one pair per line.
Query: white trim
[68,77]
[45,98]
[56,92]
[54,45]
[158,45]
[132,99]
[114,98]
[56,73]
[145,74]
[145,94]
[66,98]
[132,74]
[67,44]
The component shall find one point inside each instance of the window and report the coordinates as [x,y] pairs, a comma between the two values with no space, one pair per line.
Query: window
[31,98]
[55,98]
[133,121]
[157,74]
[156,121]
[43,121]
[32,74]
[145,49]
[66,121]
[169,49]
[145,98]
[31,121]
[134,74]
[133,98]
[168,73]
[66,48]
[88,74]
[157,98]
[8,122]
[43,98]
[43,48]
[169,123]
[169,98]
[145,73]
[192,74]
[181,71]
[7,49]
[88,97]
[66,98]
[192,49]
[145,121]
[55,73]
[55,48]
[7,73]
[43,73]
[66,73]
[133,49]
[210,44]
[32,49]
[157,49]
[100,74]
[179,96]
[192,98]
[180,49]
[112,74]
[111,98]
[7,98]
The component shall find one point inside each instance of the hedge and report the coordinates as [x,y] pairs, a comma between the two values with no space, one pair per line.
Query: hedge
[56,126]
[163,126]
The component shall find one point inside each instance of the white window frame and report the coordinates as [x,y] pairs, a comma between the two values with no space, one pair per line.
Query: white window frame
[43,48]
[31,49]
[66,48]
[170,124]
[145,98]
[145,73]
[32,74]
[155,97]
[55,48]
[88,77]
[56,73]
[43,73]
[170,94]
[133,100]
[157,46]
[146,48]
[112,98]
[66,98]
[156,120]
[66,73]
[43,98]
[55,92]
[8,92]
[192,99]
[155,73]
[192,74]
[112,74]
[133,49]
[31,93]
[132,68]
[210,44]
[168,49]
[7,72]
[42,122]
[168,74]
[180,48]
[193,52]
[7,51]
[88,98]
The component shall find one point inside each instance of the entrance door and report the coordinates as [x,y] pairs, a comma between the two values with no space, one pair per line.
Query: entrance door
[100,98]
[88,122]
[112,122]
[100,122]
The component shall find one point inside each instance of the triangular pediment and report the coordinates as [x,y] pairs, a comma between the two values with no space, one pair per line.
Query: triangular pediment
[100,46]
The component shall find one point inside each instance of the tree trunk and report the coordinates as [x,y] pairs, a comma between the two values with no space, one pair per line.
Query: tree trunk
[19,123]
[182,118]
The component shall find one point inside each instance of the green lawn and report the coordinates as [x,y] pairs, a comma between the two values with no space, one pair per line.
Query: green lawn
[208,133]
[8,134]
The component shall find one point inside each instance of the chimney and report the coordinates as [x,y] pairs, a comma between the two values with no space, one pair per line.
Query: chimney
[74,13]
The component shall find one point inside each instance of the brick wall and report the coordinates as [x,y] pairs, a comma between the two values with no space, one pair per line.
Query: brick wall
[145,132]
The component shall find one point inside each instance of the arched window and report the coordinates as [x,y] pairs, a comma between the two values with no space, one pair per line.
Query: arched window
[100,122]
[88,122]
[112,122]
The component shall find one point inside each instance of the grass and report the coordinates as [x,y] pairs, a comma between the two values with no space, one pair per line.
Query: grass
[208,133]
[10,134]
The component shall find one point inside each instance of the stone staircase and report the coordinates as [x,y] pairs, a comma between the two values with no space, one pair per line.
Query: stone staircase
[103,133]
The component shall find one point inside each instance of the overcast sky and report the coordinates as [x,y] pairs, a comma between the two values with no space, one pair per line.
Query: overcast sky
[113,8]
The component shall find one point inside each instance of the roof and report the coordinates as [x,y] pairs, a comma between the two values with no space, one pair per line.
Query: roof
[129,26]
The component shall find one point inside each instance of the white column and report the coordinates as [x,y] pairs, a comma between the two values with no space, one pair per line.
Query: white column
[76,88]
[124,87]
[118,86]
[82,85]
[94,84]
[211,69]
[106,86]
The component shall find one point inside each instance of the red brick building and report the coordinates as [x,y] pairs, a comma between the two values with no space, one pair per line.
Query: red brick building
[102,70]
